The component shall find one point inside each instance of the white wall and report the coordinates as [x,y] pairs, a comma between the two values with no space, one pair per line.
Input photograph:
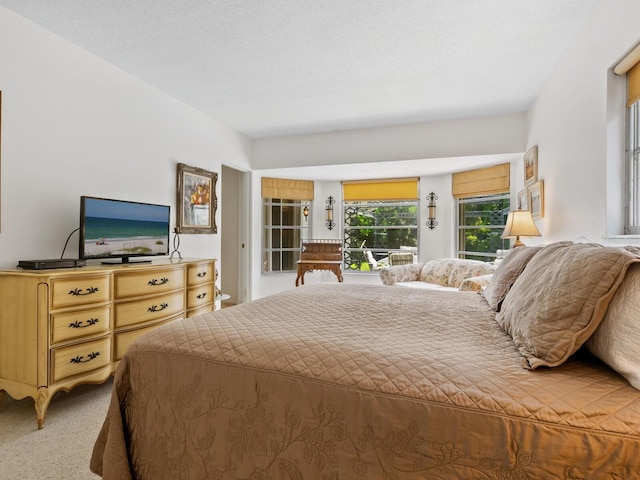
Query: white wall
[576,122]
[72,125]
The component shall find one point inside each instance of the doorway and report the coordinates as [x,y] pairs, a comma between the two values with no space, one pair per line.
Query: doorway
[232,265]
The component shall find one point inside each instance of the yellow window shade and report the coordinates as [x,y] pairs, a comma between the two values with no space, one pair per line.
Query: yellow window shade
[393,189]
[285,188]
[482,181]
[630,66]
[633,85]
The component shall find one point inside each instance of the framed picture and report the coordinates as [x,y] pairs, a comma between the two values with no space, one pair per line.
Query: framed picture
[536,199]
[531,166]
[197,201]
[523,199]
[0,125]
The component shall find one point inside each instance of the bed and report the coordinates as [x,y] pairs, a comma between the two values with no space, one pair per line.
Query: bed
[336,381]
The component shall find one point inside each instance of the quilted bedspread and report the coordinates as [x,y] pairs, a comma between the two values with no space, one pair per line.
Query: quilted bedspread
[347,381]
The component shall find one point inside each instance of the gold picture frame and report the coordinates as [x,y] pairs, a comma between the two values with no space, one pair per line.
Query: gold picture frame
[536,199]
[523,200]
[197,202]
[0,146]
[531,166]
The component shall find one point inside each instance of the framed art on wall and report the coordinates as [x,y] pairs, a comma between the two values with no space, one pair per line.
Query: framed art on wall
[536,199]
[523,200]
[197,201]
[0,135]
[531,166]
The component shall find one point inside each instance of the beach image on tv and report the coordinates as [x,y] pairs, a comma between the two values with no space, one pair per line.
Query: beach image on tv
[115,228]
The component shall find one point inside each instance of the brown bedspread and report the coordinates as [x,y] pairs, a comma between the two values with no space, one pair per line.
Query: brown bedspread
[351,381]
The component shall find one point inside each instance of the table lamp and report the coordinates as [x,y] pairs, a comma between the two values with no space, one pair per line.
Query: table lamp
[520,223]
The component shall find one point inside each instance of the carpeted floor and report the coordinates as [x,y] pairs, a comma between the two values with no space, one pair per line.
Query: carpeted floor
[61,450]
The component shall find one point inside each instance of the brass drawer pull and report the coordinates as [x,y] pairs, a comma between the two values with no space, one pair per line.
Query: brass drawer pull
[201,295]
[155,308]
[155,282]
[201,274]
[79,358]
[78,291]
[79,323]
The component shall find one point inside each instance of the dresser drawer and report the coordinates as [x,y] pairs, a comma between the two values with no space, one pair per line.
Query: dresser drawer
[73,291]
[134,284]
[199,273]
[203,309]
[197,296]
[80,358]
[124,340]
[80,323]
[154,308]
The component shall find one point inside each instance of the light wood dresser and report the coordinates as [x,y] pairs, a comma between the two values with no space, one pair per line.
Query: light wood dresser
[61,328]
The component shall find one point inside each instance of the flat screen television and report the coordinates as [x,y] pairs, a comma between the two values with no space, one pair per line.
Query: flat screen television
[121,230]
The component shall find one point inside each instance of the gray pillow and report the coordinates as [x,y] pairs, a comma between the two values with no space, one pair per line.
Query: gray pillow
[506,274]
[560,298]
[617,340]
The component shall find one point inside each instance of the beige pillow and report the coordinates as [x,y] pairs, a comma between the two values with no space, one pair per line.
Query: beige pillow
[560,298]
[506,274]
[475,284]
[617,340]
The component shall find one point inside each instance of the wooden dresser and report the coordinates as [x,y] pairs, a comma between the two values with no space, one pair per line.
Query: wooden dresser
[61,328]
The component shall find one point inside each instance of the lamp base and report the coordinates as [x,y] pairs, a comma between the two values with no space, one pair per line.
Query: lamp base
[518,243]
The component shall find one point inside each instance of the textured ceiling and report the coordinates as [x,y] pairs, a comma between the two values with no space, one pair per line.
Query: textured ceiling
[281,67]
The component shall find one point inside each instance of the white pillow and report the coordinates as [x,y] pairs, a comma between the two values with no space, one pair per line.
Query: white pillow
[616,341]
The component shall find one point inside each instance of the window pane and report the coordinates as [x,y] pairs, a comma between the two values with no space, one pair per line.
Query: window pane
[275,215]
[481,221]
[275,261]
[377,227]
[275,238]
[285,226]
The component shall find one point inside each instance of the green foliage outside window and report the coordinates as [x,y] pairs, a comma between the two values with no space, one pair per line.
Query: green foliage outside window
[481,221]
[378,227]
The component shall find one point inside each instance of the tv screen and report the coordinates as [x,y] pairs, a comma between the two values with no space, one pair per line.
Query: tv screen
[122,229]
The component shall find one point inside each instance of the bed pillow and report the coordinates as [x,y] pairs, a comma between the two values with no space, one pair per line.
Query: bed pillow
[506,274]
[560,298]
[617,340]
[475,284]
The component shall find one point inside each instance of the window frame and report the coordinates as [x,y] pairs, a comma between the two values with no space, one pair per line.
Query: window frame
[267,234]
[460,229]
[632,169]
[360,251]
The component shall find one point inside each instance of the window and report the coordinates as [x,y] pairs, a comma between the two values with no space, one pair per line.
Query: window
[629,67]
[481,221]
[285,226]
[633,169]
[378,227]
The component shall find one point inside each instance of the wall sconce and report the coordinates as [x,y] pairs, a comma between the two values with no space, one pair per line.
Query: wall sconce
[329,211]
[431,205]
[305,212]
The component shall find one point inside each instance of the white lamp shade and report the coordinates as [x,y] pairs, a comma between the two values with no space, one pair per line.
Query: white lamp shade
[520,223]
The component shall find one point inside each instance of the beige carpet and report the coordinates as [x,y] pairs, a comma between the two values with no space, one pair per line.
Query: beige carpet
[61,450]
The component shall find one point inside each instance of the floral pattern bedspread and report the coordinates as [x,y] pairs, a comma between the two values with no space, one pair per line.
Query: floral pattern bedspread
[347,381]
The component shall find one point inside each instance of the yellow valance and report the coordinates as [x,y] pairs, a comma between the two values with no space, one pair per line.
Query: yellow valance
[286,188]
[630,66]
[482,181]
[391,189]
[633,85]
